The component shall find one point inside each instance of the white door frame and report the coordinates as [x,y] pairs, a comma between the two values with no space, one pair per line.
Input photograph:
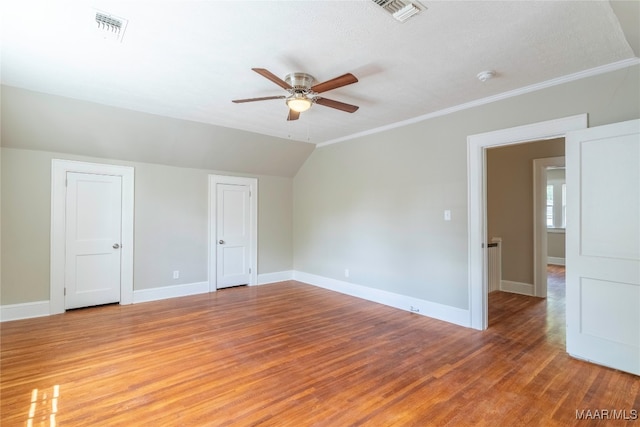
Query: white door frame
[477,199]
[59,169]
[214,180]
[540,257]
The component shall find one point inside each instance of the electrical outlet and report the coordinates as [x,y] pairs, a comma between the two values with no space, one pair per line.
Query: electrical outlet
[176,274]
[346,272]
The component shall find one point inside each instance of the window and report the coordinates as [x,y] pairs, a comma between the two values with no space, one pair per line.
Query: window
[564,205]
[556,199]
[549,205]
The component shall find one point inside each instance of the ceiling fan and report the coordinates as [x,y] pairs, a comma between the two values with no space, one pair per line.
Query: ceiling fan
[303,93]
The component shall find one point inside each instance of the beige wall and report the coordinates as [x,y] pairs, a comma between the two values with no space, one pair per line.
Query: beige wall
[172,159]
[510,203]
[556,244]
[375,204]
[171,215]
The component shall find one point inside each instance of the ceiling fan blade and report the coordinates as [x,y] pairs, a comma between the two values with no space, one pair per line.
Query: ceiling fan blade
[265,98]
[343,80]
[337,105]
[269,75]
[293,115]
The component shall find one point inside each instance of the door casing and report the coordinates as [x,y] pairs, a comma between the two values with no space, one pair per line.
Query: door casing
[252,183]
[59,170]
[477,199]
[540,256]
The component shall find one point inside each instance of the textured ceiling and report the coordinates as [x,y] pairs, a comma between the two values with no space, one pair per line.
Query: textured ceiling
[189,59]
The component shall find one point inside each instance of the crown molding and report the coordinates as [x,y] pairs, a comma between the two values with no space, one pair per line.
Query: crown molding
[614,66]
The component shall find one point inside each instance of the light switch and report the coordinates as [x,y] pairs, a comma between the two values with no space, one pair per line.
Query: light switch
[447,215]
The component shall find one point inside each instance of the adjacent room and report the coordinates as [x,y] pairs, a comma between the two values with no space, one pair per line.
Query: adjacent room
[319,213]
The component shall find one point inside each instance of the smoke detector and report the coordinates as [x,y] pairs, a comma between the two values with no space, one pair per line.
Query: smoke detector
[401,10]
[483,76]
[110,27]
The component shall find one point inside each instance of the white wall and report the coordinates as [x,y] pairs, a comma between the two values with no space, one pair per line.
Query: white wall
[171,216]
[38,121]
[172,159]
[375,204]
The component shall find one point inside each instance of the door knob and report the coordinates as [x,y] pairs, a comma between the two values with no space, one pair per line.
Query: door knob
[116,246]
[221,242]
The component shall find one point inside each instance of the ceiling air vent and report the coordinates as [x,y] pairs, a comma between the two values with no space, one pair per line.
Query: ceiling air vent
[399,9]
[109,26]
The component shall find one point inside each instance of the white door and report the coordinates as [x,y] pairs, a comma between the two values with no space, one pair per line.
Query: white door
[93,239]
[233,235]
[603,245]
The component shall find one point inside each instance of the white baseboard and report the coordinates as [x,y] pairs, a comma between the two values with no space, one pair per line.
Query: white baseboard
[25,310]
[426,308]
[555,260]
[447,313]
[279,276]
[155,294]
[517,287]
[41,308]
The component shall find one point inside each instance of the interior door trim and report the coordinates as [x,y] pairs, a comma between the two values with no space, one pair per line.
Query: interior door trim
[540,256]
[59,169]
[252,183]
[476,203]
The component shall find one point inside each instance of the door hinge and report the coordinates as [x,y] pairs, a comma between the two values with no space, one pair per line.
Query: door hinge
[65,292]
[249,271]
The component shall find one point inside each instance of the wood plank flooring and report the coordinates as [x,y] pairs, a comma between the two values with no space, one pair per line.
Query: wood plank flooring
[290,354]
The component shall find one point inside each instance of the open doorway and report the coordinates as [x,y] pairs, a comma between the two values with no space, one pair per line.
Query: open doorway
[477,145]
[517,219]
[549,202]
[507,308]
[555,217]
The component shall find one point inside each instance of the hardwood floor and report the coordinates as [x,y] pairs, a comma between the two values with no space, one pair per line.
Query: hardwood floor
[289,354]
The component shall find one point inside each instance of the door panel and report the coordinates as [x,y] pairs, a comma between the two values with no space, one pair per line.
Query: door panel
[616,304]
[233,235]
[93,228]
[603,245]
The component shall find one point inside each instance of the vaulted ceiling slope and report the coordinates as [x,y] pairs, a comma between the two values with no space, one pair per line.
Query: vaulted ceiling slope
[38,121]
[189,59]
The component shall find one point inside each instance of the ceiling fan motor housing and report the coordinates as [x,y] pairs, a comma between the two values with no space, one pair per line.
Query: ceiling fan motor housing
[301,82]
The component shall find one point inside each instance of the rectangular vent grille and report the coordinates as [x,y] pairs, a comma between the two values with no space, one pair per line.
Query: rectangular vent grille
[401,10]
[110,27]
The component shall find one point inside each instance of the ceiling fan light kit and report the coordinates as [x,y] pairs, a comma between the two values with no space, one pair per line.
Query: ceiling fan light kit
[302,97]
[299,103]
[303,94]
